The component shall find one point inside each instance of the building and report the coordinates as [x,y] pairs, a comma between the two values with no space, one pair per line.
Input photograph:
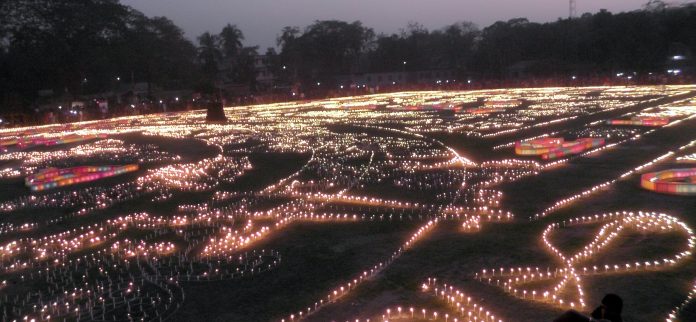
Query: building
[264,71]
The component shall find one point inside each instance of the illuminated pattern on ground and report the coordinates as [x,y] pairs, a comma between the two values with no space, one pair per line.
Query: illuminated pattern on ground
[642,121]
[554,148]
[674,181]
[208,198]
[53,177]
[33,141]
[512,280]
[691,158]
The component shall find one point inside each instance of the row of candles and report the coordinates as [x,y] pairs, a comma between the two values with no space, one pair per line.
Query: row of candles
[232,240]
[120,286]
[110,151]
[512,280]
[460,307]
[599,187]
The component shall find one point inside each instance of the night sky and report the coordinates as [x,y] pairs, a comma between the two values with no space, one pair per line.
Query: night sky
[262,20]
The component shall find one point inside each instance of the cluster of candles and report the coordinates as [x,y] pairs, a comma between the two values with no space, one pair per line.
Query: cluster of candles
[517,128]
[672,316]
[343,289]
[470,217]
[512,280]
[545,101]
[56,247]
[21,142]
[205,241]
[461,307]
[554,148]
[507,170]
[107,150]
[129,248]
[159,265]
[459,302]
[677,112]
[164,247]
[641,121]
[691,158]
[486,110]
[85,200]
[125,286]
[512,143]
[199,176]
[599,187]
[673,181]
[54,178]
[560,105]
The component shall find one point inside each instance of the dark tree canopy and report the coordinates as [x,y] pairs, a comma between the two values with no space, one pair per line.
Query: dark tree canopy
[641,40]
[209,54]
[416,48]
[80,47]
[324,49]
[601,43]
[224,59]
[231,40]
[76,48]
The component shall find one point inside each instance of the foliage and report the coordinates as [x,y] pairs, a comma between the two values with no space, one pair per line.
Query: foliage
[600,43]
[224,59]
[80,47]
[92,46]
[325,49]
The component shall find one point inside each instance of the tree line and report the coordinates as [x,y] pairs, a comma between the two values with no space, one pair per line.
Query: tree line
[91,46]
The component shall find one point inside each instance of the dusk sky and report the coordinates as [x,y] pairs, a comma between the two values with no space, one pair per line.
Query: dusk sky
[262,20]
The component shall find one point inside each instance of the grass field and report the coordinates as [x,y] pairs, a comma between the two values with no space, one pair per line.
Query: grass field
[339,211]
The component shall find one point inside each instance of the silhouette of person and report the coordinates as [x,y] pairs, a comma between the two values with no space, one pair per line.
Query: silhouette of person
[608,311]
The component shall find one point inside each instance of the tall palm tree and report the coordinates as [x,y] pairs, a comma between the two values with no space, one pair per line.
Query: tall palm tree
[231,41]
[209,53]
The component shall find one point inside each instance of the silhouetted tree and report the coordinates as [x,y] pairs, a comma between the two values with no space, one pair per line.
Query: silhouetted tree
[209,54]
[81,47]
[325,49]
[231,41]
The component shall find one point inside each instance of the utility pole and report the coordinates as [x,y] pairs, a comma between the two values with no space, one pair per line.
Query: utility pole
[572,9]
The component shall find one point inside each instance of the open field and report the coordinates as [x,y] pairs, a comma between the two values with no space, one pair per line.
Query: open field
[410,206]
